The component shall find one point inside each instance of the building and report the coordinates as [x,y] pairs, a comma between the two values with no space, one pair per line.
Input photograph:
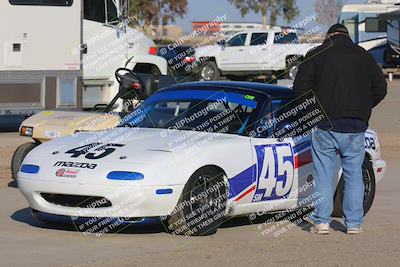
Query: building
[210,28]
[168,32]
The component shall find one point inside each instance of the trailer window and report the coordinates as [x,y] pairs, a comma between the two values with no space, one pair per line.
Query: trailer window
[42,2]
[375,25]
[66,92]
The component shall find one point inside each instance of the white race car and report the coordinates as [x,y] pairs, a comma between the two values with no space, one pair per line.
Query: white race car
[192,154]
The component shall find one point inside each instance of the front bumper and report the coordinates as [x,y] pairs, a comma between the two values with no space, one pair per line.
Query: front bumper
[127,200]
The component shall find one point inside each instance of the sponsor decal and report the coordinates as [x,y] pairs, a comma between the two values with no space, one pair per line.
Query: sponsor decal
[68,173]
[71,164]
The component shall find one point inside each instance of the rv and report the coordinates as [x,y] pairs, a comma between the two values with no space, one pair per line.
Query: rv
[392,52]
[62,54]
[365,28]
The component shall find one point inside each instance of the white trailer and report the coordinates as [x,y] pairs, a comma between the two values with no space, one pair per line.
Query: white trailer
[37,68]
[62,54]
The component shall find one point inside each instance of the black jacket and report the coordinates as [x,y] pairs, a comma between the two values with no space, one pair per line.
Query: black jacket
[345,78]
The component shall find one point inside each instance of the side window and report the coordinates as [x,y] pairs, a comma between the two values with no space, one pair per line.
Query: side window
[259,38]
[237,40]
[271,123]
[286,38]
[94,10]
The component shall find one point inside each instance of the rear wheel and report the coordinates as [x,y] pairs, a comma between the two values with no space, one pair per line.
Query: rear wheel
[208,71]
[369,190]
[19,155]
[202,205]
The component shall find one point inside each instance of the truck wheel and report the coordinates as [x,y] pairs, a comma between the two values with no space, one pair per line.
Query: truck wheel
[369,190]
[18,156]
[209,71]
[201,207]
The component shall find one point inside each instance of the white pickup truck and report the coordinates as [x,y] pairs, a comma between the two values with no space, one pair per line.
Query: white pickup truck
[252,53]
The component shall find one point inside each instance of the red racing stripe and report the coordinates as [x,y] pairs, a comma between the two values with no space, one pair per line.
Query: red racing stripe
[246,193]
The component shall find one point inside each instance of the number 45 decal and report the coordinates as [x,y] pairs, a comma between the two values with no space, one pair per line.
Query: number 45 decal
[97,150]
[274,171]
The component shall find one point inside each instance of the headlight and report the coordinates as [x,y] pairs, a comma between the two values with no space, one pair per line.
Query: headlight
[26,131]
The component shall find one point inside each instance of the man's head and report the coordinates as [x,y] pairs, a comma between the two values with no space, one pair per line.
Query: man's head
[337,29]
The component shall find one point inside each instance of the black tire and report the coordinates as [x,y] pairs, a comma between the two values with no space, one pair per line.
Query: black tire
[369,191]
[208,71]
[18,156]
[200,216]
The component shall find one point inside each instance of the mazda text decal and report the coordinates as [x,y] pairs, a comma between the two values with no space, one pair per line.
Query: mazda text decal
[75,165]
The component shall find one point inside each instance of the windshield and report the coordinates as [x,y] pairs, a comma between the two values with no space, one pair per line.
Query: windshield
[197,110]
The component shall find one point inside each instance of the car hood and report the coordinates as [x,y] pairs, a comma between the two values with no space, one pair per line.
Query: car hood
[152,152]
[51,124]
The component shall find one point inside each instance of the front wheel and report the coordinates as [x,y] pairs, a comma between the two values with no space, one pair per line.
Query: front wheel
[19,155]
[201,207]
[369,190]
[208,71]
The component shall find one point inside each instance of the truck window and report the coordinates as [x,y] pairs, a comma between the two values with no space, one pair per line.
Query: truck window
[95,10]
[42,2]
[237,40]
[286,38]
[259,38]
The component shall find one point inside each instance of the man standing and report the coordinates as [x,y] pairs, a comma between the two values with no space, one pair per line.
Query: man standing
[348,83]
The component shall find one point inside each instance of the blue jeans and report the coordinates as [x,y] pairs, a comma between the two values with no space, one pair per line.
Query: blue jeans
[350,146]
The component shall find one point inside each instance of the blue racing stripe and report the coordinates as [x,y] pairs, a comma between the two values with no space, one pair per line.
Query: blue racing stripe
[241,181]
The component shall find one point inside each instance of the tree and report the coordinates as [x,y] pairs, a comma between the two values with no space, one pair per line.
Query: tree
[274,8]
[327,11]
[155,12]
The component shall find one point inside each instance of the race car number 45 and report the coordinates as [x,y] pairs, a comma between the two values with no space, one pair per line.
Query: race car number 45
[275,170]
[93,151]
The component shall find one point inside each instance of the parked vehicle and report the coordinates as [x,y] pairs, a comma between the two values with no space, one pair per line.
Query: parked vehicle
[50,124]
[392,52]
[366,29]
[49,62]
[252,53]
[153,171]
[180,58]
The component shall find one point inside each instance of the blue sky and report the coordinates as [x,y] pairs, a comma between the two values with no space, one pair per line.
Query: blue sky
[210,9]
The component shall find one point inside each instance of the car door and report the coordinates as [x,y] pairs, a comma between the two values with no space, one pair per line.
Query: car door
[257,51]
[232,53]
[276,177]
[284,44]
